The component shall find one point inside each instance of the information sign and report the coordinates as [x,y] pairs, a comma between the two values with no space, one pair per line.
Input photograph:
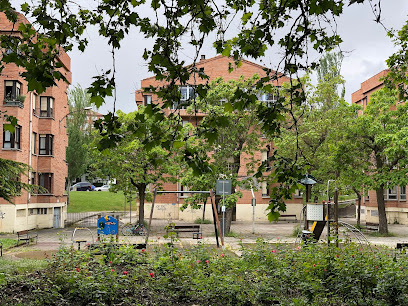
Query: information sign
[107,225]
[223,187]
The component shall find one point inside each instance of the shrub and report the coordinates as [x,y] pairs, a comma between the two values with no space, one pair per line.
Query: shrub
[263,274]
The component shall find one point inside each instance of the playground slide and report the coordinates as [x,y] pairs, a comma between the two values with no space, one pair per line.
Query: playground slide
[317,229]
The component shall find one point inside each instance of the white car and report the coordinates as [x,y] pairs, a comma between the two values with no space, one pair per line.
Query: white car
[103,188]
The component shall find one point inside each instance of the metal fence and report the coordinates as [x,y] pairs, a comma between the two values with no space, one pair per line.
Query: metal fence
[90,219]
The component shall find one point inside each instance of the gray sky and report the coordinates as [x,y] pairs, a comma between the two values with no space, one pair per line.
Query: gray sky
[366,43]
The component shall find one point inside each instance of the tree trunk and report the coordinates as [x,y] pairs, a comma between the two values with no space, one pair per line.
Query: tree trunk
[383,225]
[228,219]
[141,190]
[358,194]
[68,190]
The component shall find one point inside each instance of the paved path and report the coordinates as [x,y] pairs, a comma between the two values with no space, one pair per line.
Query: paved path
[51,239]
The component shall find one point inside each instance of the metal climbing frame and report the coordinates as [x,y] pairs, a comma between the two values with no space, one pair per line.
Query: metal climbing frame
[214,209]
[79,241]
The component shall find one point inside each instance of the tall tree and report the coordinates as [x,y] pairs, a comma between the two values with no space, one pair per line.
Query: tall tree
[78,130]
[238,133]
[60,25]
[133,162]
[382,130]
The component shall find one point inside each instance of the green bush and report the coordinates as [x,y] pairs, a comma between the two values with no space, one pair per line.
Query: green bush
[201,221]
[264,274]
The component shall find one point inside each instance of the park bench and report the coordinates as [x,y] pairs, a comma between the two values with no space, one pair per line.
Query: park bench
[26,236]
[193,228]
[288,216]
[372,226]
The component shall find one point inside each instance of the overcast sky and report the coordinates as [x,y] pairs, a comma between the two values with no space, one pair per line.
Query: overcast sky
[366,42]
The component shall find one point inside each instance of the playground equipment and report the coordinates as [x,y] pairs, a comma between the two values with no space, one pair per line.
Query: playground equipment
[217,227]
[322,215]
[81,240]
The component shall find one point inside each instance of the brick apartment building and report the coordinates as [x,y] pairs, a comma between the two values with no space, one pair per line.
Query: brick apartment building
[396,205]
[39,141]
[168,204]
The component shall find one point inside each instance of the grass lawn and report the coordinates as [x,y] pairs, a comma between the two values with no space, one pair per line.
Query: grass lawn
[82,201]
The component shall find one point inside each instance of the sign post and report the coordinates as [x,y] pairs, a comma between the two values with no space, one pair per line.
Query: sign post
[107,225]
[223,188]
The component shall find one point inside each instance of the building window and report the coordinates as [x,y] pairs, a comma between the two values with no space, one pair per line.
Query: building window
[184,194]
[268,98]
[45,180]
[390,193]
[265,158]
[12,140]
[46,144]
[265,189]
[12,90]
[34,143]
[21,213]
[187,94]
[46,106]
[38,211]
[42,211]
[298,193]
[403,193]
[147,100]
[32,179]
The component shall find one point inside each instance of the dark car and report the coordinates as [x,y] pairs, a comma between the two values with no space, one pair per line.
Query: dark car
[81,186]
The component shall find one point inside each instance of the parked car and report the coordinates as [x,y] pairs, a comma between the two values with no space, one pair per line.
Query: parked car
[103,188]
[81,186]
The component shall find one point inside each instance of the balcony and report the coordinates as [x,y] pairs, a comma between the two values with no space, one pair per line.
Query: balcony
[14,101]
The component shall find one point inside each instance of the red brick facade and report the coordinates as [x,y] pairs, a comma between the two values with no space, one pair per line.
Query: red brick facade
[218,67]
[39,118]
[395,202]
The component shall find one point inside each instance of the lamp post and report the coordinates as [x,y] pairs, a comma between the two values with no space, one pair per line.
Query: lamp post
[73,112]
[308,182]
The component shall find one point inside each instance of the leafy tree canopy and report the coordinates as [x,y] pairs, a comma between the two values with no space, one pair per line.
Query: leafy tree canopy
[180,23]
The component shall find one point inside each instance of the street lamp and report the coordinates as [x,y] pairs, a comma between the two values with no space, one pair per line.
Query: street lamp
[73,112]
[308,182]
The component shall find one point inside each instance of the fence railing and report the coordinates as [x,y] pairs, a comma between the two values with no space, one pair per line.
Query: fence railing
[90,219]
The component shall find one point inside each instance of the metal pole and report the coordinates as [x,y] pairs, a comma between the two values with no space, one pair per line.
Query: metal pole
[327,214]
[253,210]
[214,219]
[151,216]
[124,208]
[205,202]
[223,212]
[336,214]
[130,208]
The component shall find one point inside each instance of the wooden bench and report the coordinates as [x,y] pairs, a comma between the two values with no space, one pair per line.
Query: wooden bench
[27,236]
[193,228]
[372,226]
[288,216]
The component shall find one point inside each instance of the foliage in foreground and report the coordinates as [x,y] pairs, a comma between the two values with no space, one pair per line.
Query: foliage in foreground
[263,275]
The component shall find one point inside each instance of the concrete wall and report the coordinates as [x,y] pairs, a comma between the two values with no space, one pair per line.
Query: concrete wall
[24,216]
[171,211]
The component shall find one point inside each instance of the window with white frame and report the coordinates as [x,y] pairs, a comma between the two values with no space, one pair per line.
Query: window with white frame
[46,107]
[12,140]
[12,90]
[265,157]
[403,193]
[147,99]
[268,98]
[45,144]
[265,189]
[185,194]
[187,94]
[390,193]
